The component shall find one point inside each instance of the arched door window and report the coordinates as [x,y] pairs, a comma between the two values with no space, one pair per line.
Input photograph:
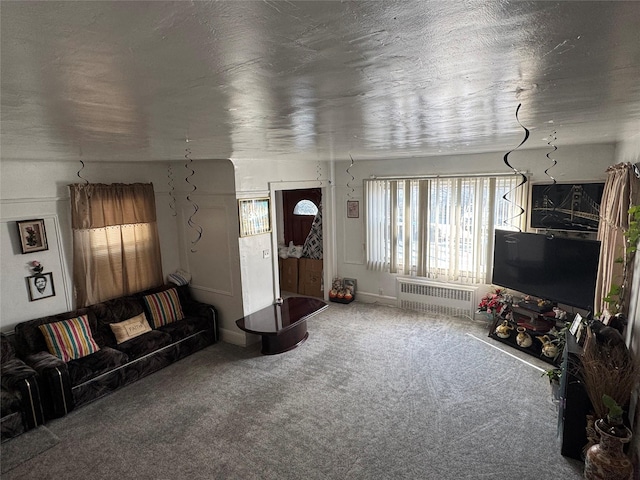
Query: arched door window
[299,208]
[305,207]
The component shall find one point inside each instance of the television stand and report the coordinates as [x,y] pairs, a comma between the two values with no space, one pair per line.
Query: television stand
[522,320]
[534,321]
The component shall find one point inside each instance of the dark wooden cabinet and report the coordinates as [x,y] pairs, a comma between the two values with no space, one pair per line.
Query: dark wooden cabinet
[574,404]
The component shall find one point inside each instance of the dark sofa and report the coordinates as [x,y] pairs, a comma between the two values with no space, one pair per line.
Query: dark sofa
[20,397]
[66,385]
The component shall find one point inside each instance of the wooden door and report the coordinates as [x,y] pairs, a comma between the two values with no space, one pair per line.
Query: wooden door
[297,227]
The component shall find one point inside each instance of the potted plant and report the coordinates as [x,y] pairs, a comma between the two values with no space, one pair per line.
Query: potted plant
[560,340]
[606,459]
[493,302]
[609,374]
[554,375]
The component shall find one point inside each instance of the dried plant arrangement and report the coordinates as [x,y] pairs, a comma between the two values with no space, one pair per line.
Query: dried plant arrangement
[607,368]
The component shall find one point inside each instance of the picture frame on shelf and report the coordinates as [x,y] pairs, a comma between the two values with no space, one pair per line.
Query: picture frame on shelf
[575,325]
[33,236]
[41,286]
[255,216]
[350,284]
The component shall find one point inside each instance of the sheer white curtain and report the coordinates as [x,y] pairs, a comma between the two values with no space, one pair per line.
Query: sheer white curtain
[116,249]
[440,227]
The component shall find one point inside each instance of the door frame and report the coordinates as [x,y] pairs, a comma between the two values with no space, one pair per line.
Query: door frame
[328,221]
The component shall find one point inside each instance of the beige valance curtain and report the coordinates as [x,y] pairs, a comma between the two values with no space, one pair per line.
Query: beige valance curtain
[621,191]
[116,249]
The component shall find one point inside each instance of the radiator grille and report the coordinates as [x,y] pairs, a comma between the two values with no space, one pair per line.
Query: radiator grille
[435,297]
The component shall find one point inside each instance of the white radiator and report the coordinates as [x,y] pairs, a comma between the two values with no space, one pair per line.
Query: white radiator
[436,297]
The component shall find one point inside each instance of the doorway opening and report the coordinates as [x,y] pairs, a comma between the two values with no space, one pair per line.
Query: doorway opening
[300,245]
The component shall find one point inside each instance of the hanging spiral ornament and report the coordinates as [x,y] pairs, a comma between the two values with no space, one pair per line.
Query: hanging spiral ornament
[86,182]
[515,170]
[190,221]
[350,182]
[549,204]
[319,174]
[551,143]
[172,191]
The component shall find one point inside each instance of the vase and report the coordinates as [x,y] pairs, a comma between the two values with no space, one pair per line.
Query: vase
[504,330]
[606,460]
[549,349]
[523,339]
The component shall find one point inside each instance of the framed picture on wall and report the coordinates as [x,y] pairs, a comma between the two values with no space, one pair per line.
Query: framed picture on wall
[353,209]
[33,237]
[566,206]
[255,216]
[40,286]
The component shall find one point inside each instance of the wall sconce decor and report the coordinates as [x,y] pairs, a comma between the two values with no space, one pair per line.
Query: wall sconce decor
[33,237]
[255,216]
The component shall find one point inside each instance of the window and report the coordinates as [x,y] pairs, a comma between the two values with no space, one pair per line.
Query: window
[305,207]
[115,241]
[439,227]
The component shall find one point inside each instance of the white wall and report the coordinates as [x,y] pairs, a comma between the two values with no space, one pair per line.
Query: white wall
[575,163]
[214,259]
[38,189]
[257,178]
[229,272]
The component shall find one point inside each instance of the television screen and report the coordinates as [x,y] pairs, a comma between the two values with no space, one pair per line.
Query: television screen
[558,269]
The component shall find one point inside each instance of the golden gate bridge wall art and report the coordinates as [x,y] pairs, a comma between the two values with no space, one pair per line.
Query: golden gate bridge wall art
[565,206]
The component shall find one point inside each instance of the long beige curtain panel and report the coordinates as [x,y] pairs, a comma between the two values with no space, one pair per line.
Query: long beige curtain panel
[116,248]
[621,191]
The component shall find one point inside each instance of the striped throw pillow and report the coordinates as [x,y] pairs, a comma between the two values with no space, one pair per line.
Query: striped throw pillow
[69,339]
[164,307]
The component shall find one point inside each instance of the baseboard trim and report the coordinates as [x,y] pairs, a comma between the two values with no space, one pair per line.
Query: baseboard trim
[236,338]
[365,297]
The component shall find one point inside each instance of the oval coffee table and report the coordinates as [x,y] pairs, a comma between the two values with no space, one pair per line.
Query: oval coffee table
[282,327]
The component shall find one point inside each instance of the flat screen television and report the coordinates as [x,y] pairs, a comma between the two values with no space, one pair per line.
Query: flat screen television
[554,268]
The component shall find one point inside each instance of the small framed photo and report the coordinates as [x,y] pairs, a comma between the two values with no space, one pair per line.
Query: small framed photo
[33,237]
[350,284]
[41,286]
[575,325]
[255,216]
[353,209]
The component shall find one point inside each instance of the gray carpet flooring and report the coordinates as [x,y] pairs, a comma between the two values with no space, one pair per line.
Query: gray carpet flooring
[374,393]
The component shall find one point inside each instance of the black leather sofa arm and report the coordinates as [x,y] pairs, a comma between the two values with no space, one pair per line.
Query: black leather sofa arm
[17,376]
[193,308]
[15,371]
[55,385]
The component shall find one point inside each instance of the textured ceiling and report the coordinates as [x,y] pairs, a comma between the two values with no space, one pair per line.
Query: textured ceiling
[313,80]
